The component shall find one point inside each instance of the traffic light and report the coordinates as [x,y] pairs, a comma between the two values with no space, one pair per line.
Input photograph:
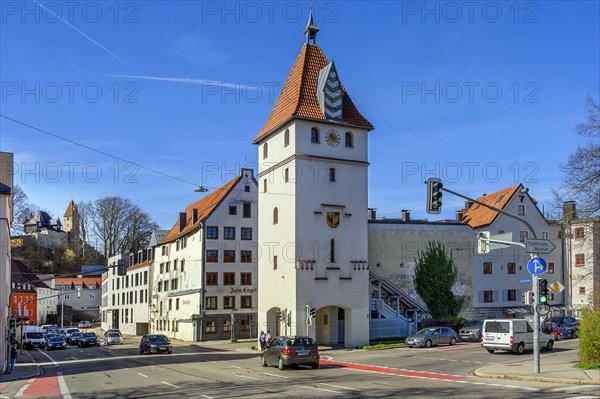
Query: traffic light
[121,267]
[278,315]
[313,313]
[12,323]
[434,195]
[543,291]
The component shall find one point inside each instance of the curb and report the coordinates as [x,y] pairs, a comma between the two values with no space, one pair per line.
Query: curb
[28,376]
[573,381]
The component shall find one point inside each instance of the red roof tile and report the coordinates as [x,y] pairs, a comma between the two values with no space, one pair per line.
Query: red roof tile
[298,96]
[87,281]
[69,211]
[479,216]
[204,207]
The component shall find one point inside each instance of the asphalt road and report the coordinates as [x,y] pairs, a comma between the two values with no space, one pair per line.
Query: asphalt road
[200,372]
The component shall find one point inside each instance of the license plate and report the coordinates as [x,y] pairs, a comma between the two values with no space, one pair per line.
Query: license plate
[163,348]
[303,353]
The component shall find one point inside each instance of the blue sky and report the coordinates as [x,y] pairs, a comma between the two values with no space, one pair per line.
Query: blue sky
[485,96]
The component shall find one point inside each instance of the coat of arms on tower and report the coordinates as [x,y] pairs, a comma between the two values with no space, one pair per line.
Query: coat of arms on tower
[333,219]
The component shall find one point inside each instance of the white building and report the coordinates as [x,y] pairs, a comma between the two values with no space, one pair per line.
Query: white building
[498,289]
[313,206]
[6,186]
[82,294]
[47,299]
[582,258]
[205,272]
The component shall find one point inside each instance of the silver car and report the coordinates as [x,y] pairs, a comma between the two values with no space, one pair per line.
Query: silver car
[432,336]
[113,338]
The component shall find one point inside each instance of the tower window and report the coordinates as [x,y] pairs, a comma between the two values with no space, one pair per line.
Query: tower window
[265,150]
[314,135]
[331,174]
[287,174]
[332,250]
[275,215]
[349,141]
[265,185]
[286,138]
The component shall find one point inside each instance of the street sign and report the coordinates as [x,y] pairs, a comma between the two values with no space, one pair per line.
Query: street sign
[557,287]
[539,246]
[536,266]
[525,280]
[543,309]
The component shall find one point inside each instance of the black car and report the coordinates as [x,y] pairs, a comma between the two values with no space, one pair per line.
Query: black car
[56,342]
[569,330]
[88,339]
[155,343]
[563,320]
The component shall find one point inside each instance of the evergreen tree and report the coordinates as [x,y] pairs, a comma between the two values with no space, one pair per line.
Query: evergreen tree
[435,274]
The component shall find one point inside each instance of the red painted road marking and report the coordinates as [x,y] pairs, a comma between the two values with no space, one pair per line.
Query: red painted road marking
[41,387]
[386,370]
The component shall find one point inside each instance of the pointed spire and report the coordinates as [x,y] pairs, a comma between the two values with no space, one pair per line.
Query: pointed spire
[311,29]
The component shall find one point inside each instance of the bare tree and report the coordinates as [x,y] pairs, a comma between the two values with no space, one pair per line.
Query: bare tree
[121,225]
[23,210]
[582,170]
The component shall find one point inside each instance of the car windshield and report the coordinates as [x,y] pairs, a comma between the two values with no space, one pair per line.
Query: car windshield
[113,335]
[426,331]
[89,335]
[72,330]
[156,338]
[75,334]
[34,335]
[473,323]
[55,340]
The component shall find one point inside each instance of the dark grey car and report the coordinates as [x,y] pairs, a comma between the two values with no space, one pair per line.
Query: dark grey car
[471,330]
[291,351]
[432,336]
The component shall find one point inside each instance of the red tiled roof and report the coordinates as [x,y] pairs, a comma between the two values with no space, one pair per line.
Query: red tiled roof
[69,211]
[478,216]
[78,281]
[204,207]
[138,265]
[298,96]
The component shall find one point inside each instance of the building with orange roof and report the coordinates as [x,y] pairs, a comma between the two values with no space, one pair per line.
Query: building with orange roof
[313,161]
[83,294]
[204,275]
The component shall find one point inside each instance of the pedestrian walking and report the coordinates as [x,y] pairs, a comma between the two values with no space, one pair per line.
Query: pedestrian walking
[13,357]
[262,340]
[268,338]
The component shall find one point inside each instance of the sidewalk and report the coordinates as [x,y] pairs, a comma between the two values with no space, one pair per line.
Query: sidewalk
[559,367]
[25,368]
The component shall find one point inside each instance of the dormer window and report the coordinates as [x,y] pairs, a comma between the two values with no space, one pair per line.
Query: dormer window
[349,140]
[314,135]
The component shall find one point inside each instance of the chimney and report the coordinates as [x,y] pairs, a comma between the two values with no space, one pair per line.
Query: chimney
[371,214]
[405,215]
[182,220]
[569,211]
[459,215]
[194,215]
[468,204]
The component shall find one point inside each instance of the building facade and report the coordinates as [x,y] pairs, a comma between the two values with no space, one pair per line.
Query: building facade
[82,294]
[6,203]
[23,303]
[313,206]
[205,271]
[47,299]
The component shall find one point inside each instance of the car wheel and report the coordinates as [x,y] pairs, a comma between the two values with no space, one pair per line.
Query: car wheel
[141,350]
[314,366]
[491,350]
[549,346]
[452,341]
[263,361]
[520,348]
[428,344]
[169,352]
[98,345]
[149,350]
[280,364]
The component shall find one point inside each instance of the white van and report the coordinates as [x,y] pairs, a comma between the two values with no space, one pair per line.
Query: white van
[514,335]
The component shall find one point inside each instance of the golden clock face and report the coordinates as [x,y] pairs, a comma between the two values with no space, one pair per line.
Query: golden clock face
[333,138]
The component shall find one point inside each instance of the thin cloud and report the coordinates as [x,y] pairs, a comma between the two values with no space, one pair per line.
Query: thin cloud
[82,33]
[202,82]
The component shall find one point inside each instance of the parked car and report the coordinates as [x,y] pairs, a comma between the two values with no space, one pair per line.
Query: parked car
[56,342]
[85,324]
[514,335]
[431,336]
[113,338]
[563,320]
[73,338]
[291,351]
[471,330]
[155,343]
[88,339]
[569,330]
[34,339]
[113,330]
[551,327]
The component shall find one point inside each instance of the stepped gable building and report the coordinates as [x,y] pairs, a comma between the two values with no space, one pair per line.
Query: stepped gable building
[313,206]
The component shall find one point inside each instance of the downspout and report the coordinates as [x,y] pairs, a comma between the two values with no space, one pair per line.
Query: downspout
[202,278]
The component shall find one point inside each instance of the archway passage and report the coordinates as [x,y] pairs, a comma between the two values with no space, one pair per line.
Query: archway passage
[330,325]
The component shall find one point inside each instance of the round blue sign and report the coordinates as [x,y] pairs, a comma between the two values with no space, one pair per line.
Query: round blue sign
[536,266]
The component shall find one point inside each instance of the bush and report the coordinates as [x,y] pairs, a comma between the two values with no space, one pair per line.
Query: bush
[589,331]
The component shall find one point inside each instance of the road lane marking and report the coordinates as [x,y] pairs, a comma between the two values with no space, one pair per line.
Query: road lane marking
[276,375]
[49,357]
[248,377]
[63,386]
[577,388]
[22,391]
[318,389]
[143,375]
[237,367]
[208,397]
[339,386]
[171,385]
